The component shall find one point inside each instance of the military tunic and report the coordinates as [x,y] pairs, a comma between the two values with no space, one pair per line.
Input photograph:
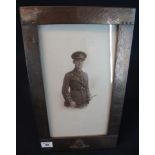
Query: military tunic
[75,88]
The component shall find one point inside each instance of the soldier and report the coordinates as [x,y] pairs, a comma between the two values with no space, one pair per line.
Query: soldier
[75,88]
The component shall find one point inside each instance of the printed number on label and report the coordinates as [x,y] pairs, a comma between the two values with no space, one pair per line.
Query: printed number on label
[46,144]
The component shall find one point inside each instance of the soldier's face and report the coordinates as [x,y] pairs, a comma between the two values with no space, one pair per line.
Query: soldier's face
[78,63]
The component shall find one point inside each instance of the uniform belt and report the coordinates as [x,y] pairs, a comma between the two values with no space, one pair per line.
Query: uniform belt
[77,89]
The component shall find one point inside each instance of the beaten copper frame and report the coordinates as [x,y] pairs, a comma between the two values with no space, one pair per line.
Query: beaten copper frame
[33,16]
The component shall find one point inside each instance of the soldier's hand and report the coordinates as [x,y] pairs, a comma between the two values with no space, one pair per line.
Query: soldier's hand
[91,97]
[73,104]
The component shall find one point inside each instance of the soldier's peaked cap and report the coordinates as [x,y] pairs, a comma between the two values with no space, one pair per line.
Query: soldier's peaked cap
[79,55]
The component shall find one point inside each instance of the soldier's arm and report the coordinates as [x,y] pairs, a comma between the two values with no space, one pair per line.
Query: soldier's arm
[65,89]
[87,88]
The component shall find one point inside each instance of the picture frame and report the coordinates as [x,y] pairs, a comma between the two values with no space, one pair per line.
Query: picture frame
[33,16]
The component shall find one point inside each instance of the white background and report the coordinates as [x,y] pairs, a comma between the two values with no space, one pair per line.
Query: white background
[57,43]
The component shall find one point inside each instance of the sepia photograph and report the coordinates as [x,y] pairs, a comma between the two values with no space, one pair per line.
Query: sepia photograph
[77,63]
